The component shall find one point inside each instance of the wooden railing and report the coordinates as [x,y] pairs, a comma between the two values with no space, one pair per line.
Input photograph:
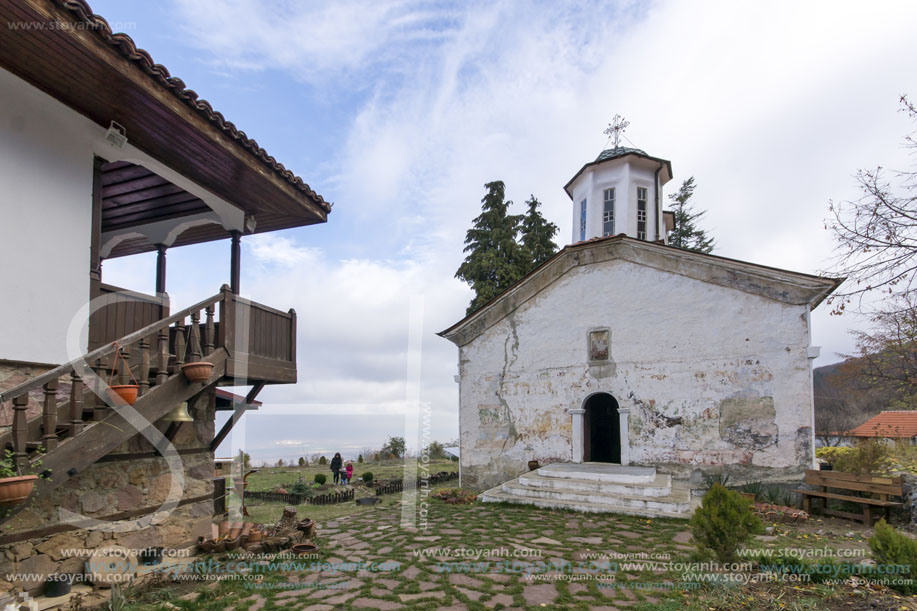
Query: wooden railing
[263,340]
[150,363]
[260,343]
[118,312]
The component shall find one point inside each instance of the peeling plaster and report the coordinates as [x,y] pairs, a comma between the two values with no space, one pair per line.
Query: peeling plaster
[702,397]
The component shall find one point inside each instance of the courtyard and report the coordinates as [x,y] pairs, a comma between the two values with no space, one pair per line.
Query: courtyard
[494,556]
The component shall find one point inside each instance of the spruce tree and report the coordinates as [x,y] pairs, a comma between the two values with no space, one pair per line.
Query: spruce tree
[495,260]
[686,234]
[537,236]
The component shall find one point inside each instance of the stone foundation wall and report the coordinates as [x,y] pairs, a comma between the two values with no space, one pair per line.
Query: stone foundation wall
[129,486]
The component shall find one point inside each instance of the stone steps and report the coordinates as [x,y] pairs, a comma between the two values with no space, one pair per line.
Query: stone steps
[661,486]
[598,488]
[602,472]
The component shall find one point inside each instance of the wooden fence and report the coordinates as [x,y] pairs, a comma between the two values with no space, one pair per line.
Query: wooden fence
[301,499]
[398,486]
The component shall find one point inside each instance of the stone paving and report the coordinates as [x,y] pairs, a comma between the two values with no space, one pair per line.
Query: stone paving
[477,557]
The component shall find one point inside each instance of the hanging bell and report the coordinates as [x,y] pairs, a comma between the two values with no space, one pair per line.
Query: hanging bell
[179,414]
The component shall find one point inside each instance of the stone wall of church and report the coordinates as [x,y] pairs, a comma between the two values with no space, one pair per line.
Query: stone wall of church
[713,376]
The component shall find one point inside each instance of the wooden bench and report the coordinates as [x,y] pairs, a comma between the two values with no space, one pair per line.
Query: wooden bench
[881,487]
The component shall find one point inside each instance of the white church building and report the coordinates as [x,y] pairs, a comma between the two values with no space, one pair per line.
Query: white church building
[629,368]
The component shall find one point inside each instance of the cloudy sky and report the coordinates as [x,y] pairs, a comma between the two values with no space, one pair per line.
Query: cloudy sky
[399,112]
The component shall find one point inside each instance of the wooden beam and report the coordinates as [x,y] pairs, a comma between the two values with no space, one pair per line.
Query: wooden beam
[236,414]
[160,269]
[235,261]
[95,224]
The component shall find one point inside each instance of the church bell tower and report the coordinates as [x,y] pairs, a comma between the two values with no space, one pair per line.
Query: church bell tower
[620,192]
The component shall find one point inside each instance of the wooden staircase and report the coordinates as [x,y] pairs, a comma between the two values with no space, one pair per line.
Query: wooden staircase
[70,436]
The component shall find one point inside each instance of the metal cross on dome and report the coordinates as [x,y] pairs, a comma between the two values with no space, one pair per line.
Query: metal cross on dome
[616,128]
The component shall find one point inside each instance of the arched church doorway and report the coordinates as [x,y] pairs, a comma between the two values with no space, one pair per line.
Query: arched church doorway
[602,429]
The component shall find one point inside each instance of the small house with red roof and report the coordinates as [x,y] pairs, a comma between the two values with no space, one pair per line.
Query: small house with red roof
[894,424]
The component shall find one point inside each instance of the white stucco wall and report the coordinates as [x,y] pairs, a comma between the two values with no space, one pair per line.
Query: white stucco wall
[46,160]
[625,176]
[697,364]
[45,209]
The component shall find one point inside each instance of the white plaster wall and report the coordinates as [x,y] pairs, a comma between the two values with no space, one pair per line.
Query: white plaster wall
[679,348]
[46,159]
[625,177]
[45,210]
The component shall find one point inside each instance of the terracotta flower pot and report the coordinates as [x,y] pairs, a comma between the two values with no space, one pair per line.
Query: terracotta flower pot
[235,529]
[247,528]
[124,392]
[224,528]
[254,535]
[198,371]
[301,549]
[14,490]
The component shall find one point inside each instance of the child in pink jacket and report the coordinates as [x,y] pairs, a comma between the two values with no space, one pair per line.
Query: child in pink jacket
[349,471]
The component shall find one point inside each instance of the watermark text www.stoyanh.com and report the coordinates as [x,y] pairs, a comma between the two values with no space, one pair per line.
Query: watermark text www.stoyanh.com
[42,26]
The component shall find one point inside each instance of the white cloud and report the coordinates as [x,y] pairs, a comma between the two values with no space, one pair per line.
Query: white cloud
[771,106]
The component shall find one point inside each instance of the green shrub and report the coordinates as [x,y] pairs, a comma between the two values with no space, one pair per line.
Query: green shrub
[868,456]
[368,477]
[360,458]
[755,487]
[723,522]
[721,478]
[889,547]
[323,461]
[832,454]
[302,488]
[320,478]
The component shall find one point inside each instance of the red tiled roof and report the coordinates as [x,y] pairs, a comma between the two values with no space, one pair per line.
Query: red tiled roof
[888,424]
[125,45]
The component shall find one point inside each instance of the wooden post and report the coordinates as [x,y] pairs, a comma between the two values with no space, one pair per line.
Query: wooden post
[227,334]
[235,261]
[124,367]
[179,345]
[76,405]
[144,374]
[162,369]
[194,337]
[100,408]
[292,335]
[20,430]
[49,416]
[160,269]
[208,331]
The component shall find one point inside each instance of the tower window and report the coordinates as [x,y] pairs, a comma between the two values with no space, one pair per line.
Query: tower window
[641,213]
[608,213]
[582,221]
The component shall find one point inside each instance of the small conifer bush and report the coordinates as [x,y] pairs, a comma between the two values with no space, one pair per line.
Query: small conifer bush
[889,547]
[323,461]
[723,522]
[320,479]
[360,458]
[368,477]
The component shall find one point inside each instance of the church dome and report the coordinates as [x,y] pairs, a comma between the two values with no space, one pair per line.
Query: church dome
[619,151]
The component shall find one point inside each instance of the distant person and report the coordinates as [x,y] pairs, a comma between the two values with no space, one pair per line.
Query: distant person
[336,464]
[349,471]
